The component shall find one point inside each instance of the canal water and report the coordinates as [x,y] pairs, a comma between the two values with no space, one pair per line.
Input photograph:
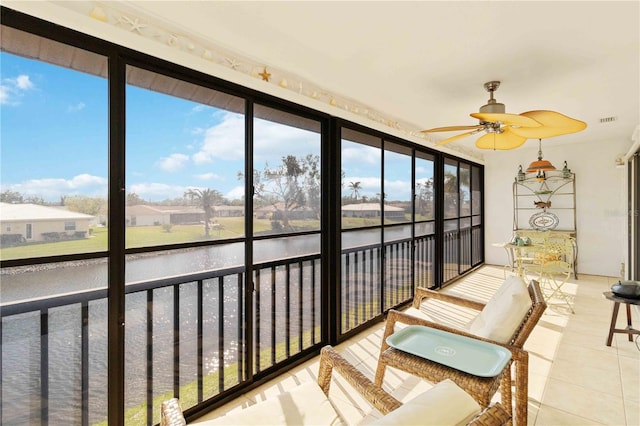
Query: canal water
[22,339]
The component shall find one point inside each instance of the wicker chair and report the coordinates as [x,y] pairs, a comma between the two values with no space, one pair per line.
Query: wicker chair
[554,266]
[481,388]
[494,415]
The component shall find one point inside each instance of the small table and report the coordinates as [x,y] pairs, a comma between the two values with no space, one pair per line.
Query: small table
[517,257]
[617,300]
[510,260]
[472,356]
[435,355]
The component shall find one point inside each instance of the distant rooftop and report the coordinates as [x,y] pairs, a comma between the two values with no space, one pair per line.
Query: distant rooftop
[370,207]
[35,212]
[144,209]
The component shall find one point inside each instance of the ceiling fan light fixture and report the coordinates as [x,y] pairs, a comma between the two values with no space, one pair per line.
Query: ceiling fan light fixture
[540,165]
[500,141]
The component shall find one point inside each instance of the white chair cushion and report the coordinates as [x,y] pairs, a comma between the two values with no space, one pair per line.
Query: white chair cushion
[304,405]
[445,404]
[504,312]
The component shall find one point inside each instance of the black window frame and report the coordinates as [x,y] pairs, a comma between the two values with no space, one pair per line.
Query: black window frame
[119,57]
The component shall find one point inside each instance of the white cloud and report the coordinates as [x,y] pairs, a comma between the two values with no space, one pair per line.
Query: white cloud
[224,141]
[84,180]
[52,189]
[424,170]
[361,154]
[13,88]
[208,176]
[157,191]
[173,163]
[77,107]
[23,82]
[235,194]
[4,95]
[273,140]
[397,190]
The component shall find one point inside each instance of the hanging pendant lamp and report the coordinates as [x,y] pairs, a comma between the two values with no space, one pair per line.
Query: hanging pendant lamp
[540,165]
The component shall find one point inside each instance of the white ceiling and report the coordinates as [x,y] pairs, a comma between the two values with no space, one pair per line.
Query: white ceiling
[425,62]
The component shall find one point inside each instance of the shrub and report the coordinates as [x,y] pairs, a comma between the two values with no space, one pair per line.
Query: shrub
[276,226]
[7,240]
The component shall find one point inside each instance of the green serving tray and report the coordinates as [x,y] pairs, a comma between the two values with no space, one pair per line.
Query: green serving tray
[469,355]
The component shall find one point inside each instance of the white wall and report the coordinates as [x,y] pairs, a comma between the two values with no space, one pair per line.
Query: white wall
[600,199]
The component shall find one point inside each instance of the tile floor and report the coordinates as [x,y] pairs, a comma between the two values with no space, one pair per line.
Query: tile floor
[574,378]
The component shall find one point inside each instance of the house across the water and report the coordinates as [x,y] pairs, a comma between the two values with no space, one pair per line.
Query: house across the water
[372,210]
[32,222]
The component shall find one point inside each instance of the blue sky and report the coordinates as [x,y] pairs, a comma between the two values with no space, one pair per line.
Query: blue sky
[54,136]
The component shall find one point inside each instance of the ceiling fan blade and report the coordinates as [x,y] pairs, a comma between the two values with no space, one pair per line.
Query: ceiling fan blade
[456,137]
[451,128]
[553,124]
[507,119]
[502,141]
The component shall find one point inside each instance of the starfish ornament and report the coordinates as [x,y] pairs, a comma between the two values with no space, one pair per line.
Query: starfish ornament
[135,25]
[233,64]
[265,75]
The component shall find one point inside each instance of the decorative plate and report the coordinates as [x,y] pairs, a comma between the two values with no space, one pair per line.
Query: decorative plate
[543,221]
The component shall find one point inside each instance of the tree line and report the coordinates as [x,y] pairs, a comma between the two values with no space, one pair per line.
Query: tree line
[294,183]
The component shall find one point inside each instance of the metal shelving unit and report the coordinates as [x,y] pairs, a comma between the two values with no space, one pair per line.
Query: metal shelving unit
[546,202]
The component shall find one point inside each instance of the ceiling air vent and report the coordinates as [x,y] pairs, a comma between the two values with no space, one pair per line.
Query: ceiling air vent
[608,119]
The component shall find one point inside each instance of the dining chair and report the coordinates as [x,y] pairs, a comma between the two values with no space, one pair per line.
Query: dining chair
[553,267]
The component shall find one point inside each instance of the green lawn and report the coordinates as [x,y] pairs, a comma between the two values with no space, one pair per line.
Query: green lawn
[141,236]
[95,242]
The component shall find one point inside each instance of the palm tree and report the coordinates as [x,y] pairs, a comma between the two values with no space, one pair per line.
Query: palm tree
[206,198]
[355,189]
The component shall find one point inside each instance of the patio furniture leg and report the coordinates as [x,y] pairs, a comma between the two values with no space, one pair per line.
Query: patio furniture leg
[522,388]
[629,325]
[380,374]
[388,331]
[614,316]
[505,391]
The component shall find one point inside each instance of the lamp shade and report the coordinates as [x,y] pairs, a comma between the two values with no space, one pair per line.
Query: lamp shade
[543,165]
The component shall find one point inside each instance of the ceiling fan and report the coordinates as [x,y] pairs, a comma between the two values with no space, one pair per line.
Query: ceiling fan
[508,131]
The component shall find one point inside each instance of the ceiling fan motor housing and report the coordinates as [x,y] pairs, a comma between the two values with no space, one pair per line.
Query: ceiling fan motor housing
[493,107]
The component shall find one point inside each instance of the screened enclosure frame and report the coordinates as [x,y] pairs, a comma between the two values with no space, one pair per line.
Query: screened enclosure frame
[406,242]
